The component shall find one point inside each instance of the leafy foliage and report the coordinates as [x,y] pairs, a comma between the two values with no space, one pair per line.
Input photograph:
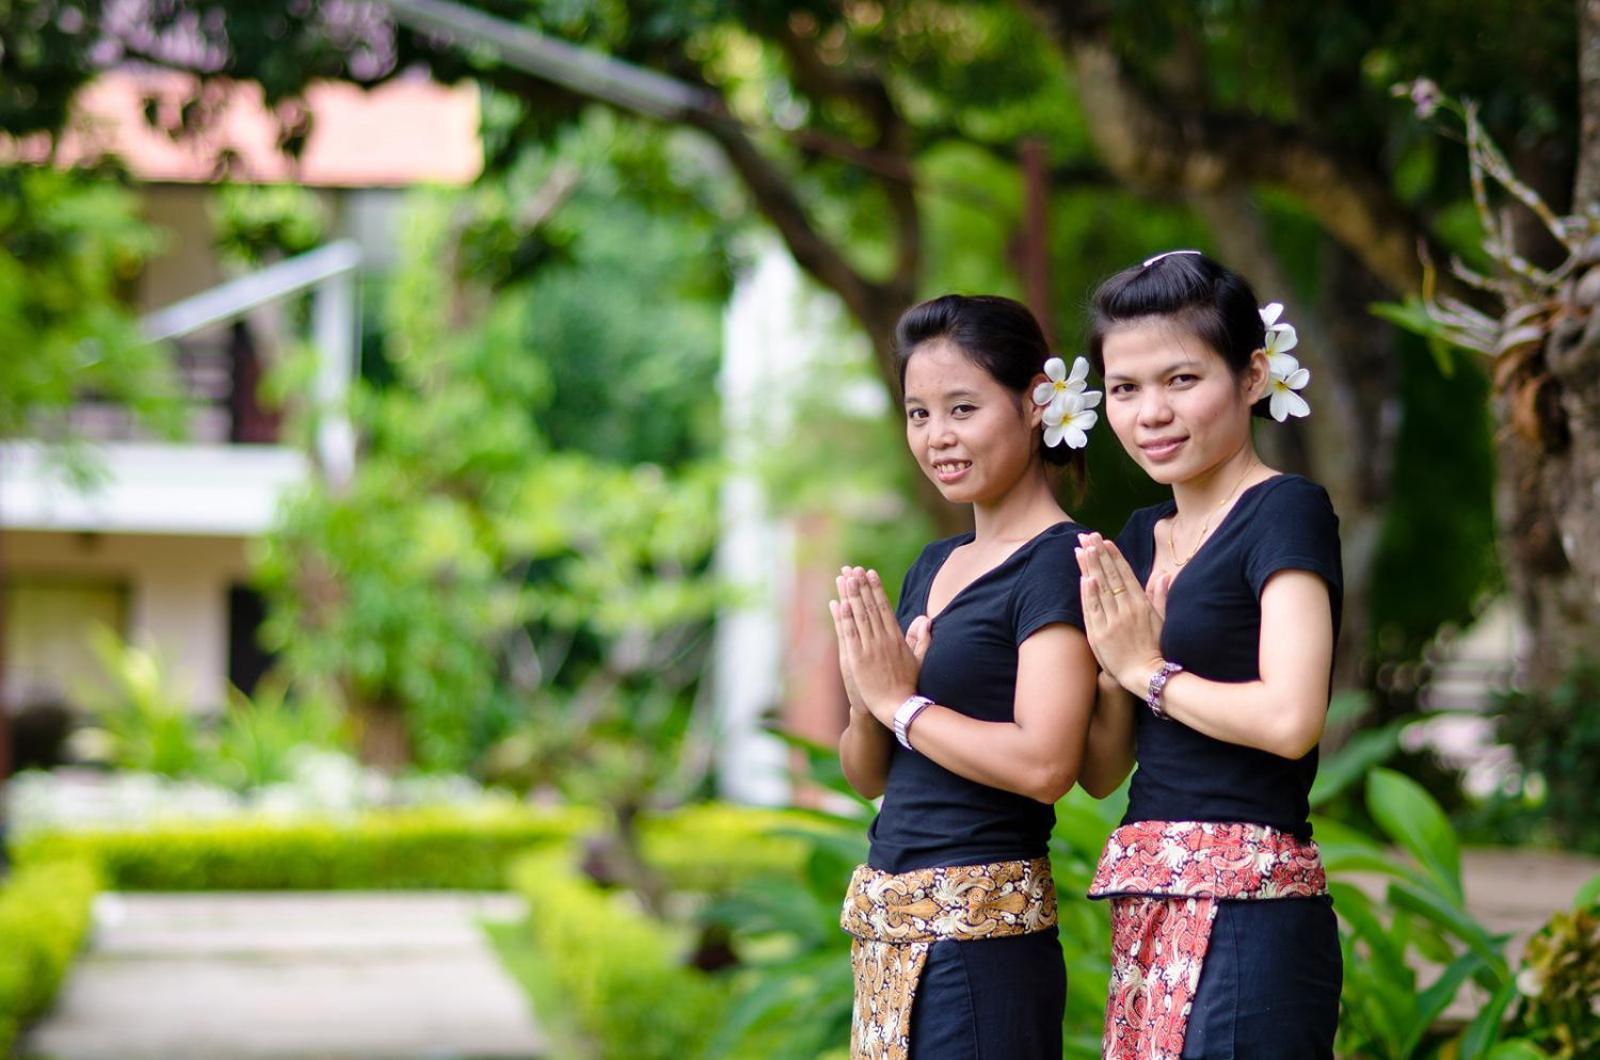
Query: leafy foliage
[547,608]
[387,850]
[140,723]
[1559,983]
[1387,1010]
[69,246]
[1556,738]
[45,913]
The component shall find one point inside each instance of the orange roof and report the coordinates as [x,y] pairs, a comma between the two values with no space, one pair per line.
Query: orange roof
[407,131]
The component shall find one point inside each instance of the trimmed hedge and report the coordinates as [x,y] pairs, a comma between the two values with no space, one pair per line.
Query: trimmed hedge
[386,850]
[45,910]
[622,971]
[710,847]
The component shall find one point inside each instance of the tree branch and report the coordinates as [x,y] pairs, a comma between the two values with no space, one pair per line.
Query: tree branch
[1163,144]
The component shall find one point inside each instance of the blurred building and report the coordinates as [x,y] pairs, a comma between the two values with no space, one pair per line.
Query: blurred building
[776,662]
[157,548]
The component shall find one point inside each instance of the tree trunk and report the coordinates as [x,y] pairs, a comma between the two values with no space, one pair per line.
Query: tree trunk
[1548,444]
[1548,449]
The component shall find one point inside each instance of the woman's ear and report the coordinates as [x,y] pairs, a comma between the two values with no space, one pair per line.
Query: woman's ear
[1257,377]
[1035,411]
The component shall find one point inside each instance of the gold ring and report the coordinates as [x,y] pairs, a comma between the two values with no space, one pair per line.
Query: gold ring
[1119,590]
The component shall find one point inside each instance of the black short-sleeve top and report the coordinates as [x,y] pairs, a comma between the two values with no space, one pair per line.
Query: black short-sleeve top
[1213,629]
[931,816]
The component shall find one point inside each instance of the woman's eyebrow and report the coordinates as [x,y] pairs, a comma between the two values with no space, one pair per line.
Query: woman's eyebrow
[948,395]
[1187,362]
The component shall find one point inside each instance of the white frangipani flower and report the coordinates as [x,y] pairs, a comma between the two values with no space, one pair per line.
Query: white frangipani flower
[1069,418]
[1284,401]
[1281,338]
[1060,385]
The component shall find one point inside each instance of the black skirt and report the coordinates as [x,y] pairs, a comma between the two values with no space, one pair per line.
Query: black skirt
[1269,986]
[991,998]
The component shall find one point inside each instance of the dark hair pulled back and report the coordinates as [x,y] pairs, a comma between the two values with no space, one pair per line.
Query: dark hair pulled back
[998,335]
[1205,298]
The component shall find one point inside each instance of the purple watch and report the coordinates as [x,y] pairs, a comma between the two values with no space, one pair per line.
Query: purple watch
[1158,685]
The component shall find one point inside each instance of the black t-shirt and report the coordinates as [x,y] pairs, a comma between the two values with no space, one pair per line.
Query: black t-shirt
[1213,629]
[931,816]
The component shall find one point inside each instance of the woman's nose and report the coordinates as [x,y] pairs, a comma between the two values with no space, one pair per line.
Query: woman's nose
[1154,408]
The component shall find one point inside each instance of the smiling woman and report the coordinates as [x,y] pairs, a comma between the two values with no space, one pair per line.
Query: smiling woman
[968,705]
[1230,646]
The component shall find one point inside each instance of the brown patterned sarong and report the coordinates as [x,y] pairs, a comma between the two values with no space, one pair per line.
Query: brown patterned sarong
[1164,879]
[894,919]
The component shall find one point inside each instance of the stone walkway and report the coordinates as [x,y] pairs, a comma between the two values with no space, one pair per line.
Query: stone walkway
[222,976]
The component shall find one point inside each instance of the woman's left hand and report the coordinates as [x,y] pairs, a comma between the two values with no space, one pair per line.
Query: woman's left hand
[1123,624]
[883,666]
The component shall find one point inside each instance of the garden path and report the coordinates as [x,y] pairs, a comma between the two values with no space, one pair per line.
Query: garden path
[281,976]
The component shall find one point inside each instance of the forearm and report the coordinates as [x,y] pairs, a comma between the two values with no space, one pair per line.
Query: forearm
[864,750]
[1004,755]
[1284,722]
[1108,748]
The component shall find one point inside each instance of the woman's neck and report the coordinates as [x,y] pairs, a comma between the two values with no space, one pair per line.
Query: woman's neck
[1210,489]
[1025,509]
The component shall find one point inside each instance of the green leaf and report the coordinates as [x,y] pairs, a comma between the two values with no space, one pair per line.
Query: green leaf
[1358,911]
[1352,761]
[1456,921]
[1437,997]
[1588,894]
[1410,816]
[1411,316]
[1517,1049]
[1483,1032]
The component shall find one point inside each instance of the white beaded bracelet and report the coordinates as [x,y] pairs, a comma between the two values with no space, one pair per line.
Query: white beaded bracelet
[905,715]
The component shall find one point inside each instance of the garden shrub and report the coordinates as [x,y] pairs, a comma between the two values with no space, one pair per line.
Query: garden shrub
[625,972]
[388,850]
[711,846]
[45,912]
[1559,1007]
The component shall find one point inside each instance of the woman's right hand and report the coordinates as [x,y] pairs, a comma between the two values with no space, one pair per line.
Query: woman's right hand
[919,635]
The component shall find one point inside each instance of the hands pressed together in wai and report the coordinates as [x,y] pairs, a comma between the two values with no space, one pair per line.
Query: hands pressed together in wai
[879,664]
[1122,619]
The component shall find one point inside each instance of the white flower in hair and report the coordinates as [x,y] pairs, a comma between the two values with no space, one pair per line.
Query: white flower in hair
[1060,386]
[1285,402]
[1069,418]
[1281,338]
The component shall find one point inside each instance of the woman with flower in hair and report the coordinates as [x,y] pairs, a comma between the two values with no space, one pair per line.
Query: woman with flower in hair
[1214,617]
[969,704]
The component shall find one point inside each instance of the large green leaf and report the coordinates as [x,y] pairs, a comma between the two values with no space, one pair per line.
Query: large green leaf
[1410,816]
[1432,1002]
[1517,1049]
[1353,761]
[1455,921]
[1484,1030]
[1588,894]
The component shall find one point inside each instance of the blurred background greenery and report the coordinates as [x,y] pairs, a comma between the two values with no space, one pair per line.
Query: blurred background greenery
[514,597]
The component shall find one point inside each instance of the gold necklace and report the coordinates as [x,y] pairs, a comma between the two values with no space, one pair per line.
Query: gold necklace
[1205,526]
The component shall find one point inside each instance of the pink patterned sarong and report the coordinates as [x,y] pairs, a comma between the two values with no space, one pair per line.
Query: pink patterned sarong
[1164,879]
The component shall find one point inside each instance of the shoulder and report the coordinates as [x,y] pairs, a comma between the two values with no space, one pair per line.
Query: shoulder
[1055,546]
[1044,588]
[1290,500]
[1292,525]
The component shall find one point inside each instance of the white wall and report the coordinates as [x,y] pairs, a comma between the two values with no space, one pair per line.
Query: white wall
[176,602]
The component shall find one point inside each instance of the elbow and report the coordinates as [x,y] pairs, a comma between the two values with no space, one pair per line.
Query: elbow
[1051,784]
[1097,787]
[866,787]
[1298,733]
